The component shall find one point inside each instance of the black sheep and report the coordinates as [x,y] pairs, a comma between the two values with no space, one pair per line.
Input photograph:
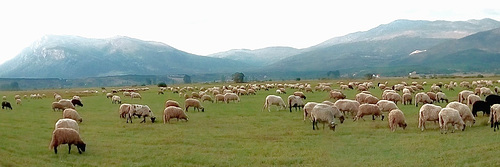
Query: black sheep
[480,106]
[77,102]
[6,104]
[492,99]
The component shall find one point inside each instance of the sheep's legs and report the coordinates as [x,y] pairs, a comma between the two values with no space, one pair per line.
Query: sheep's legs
[69,148]
[55,150]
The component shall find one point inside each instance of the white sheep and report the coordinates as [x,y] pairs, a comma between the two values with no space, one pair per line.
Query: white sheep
[231,97]
[174,112]
[472,98]
[371,99]
[407,98]
[116,99]
[67,103]
[347,105]
[135,95]
[368,109]
[72,114]
[195,103]
[308,108]
[450,115]
[337,95]
[172,103]
[66,136]
[206,98]
[325,113]
[396,118]
[395,97]
[462,96]
[441,97]
[141,111]
[495,116]
[484,91]
[386,105]
[295,101]
[219,97]
[360,97]
[464,111]
[422,98]
[109,95]
[67,123]
[428,112]
[274,100]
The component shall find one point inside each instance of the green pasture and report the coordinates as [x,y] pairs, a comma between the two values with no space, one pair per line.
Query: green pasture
[237,134]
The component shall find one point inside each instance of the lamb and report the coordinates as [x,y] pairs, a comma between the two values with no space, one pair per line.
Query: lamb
[116,99]
[441,97]
[206,98]
[173,112]
[368,109]
[67,123]
[325,114]
[72,114]
[396,118]
[300,94]
[428,112]
[386,105]
[195,103]
[337,95]
[6,105]
[141,110]
[231,97]
[219,97]
[67,103]
[463,110]
[66,136]
[295,101]
[308,108]
[347,105]
[495,116]
[135,95]
[273,100]
[450,115]
[422,98]
[76,102]
[169,103]
[480,105]
[407,98]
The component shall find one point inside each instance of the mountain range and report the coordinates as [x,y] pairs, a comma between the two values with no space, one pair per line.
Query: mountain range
[392,49]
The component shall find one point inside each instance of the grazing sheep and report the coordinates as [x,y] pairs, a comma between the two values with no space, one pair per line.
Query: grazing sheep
[371,99]
[195,103]
[428,112]
[18,101]
[325,114]
[464,112]
[219,97]
[273,100]
[334,110]
[484,91]
[169,103]
[386,105]
[300,94]
[72,114]
[495,116]
[141,110]
[347,105]
[109,95]
[6,105]
[441,97]
[308,108]
[76,102]
[432,96]
[67,123]
[480,106]
[58,106]
[395,97]
[360,97]
[231,97]
[66,136]
[125,109]
[116,99]
[135,95]
[450,115]
[296,102]
[336,95]
[396,118]
[207,98]
[67,103]
[368,109]
[57,97]
[173,112]
[462,96]
[407,98]
[125,94]
[472,98]
[422,98]
[492,99]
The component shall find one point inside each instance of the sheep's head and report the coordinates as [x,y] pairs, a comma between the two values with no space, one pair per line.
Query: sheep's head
[202,109]
[341,118]
[332,125]
[404,125]
[463,127]
[153,119]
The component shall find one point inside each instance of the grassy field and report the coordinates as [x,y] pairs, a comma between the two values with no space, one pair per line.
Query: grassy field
[237,134]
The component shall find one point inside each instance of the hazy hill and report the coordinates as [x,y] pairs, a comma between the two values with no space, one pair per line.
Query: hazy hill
[77,57]
[258,57]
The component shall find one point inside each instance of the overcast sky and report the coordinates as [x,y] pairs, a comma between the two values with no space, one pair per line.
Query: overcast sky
[209,26]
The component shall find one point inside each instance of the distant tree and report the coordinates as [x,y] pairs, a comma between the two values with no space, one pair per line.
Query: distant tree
[333,74]
[238,77]
[369,76]
[162,84]
[187,79]
[297,79]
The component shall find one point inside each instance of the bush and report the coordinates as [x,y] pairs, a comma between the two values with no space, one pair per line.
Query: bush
[162,84]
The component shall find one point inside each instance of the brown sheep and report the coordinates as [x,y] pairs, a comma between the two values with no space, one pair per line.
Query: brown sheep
[66,136]
[173,112]
[172,103]
[196,104]
[72,114]
[368,109]
[396,118]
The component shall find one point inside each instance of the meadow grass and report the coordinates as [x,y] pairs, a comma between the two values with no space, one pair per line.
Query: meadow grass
[237,134]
